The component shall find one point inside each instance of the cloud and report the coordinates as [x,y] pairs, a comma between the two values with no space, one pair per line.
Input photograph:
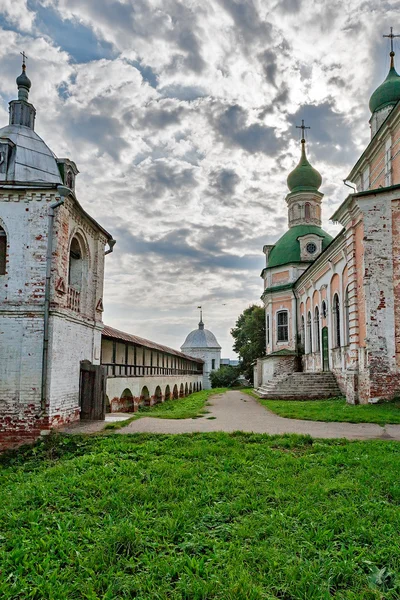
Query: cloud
[224,181]
[232,125]
[181,118]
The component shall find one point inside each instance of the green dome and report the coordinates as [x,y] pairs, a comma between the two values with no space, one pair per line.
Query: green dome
[304,177]
[388,92]
[287,249]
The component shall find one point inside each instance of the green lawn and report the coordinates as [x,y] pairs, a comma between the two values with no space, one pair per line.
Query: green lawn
[190,407]
[200,517]
[336,409]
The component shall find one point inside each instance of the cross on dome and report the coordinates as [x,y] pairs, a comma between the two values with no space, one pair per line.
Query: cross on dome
[303,129]
[391,35]
[24,58]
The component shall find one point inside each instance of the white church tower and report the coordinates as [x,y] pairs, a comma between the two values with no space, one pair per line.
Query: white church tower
[202,343]
[51,284]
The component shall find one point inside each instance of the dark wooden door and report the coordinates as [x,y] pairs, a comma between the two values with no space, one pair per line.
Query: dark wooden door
[92,392]
[325,349]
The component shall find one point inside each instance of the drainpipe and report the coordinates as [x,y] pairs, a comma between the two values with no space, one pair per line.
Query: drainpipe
[63,191]
[111,244]
[350,186]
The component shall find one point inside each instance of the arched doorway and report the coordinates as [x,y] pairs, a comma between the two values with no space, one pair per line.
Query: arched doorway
[126,401]
[158,395]
[325,349]
[181,391]
[144,397]
[167,393]
[175,392]
[186,389]
[190,389]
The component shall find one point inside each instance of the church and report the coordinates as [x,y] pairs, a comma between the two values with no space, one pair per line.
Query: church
[332,305]
[59,362]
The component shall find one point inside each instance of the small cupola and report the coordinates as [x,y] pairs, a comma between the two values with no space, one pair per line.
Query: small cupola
[21,111]
[386,96]
[304,177]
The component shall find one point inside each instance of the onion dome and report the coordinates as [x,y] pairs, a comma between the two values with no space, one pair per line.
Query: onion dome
[388,92]
[24,85]
[304,177]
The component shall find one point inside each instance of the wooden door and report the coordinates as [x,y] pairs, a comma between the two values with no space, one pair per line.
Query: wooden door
[325,349]
[92,392]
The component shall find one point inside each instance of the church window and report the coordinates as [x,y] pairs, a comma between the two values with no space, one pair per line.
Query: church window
[388,162]
[336,320]
[3,251]
[347,317]
[307,211]
[213,364]
[317,344]
[267,329]
[365,179]
[77,273]
[302,331]
[309,336]
[323,309]
[70,180]
[282,326]
[311,248]
[75,265]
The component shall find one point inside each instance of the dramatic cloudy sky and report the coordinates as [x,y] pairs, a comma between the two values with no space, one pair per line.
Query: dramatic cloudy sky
[180,116]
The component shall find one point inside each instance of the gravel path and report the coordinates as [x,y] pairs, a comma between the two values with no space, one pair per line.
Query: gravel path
[235,411]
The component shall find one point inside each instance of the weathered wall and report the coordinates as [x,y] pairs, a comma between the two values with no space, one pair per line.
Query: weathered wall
[116,386]
[208,355]
[72,336]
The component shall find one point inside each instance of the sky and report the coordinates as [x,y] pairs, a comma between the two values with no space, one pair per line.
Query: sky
[180,116]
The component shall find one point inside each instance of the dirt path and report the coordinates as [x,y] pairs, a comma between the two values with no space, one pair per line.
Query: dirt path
[235,411]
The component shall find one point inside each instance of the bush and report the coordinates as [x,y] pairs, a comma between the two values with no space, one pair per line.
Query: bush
[224,376]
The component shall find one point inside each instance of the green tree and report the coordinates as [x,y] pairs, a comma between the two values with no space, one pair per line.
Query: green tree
[249,336]
[225,376]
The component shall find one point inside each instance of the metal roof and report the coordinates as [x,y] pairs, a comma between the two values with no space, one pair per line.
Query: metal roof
[31,160]
[200,338]
[115,334]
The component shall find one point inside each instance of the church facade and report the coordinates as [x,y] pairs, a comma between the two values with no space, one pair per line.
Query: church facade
[51,281]
[333,304]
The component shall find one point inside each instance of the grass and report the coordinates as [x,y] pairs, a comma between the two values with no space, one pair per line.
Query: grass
[200,517]
[335,409]
[190,407]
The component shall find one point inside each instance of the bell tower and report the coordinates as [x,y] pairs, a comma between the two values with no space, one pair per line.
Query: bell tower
[304,199]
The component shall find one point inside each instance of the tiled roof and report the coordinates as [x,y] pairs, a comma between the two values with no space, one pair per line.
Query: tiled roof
[115,334]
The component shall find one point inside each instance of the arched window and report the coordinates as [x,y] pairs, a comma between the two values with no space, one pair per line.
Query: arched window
[323,309]
[75,265]
[317,343]
[302,331]
[76,273]
[346,317]
[307,211]
[336,320]
[282,321]
[309,336]
[3,251]
[267,329]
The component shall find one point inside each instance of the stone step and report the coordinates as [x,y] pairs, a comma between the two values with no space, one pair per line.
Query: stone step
[301,386]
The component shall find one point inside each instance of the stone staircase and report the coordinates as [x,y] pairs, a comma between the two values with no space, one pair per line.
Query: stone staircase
[301,386]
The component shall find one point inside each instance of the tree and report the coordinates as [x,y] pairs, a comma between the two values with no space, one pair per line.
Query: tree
[249,336]
[225,376]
